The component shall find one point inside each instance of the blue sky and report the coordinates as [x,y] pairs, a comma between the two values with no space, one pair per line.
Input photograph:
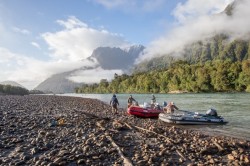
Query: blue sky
[43,37]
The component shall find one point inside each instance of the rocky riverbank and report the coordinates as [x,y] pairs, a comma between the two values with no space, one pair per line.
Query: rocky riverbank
[56,130]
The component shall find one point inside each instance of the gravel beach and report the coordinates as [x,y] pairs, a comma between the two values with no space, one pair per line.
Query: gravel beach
[59,130]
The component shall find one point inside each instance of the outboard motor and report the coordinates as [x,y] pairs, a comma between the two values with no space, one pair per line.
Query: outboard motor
[211,112]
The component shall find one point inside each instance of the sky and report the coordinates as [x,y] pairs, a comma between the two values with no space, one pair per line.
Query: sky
[40,38]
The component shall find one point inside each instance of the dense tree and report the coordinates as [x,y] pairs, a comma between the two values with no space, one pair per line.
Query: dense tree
[216,64]
[220,76]
[13,90]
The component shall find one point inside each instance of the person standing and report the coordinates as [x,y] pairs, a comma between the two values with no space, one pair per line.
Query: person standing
[153,100]
[130,101]
[114,104]
[171,107]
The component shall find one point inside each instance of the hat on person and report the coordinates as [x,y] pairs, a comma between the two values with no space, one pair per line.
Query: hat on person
[114,95]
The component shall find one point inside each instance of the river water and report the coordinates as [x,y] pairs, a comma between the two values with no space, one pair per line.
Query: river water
[234,107]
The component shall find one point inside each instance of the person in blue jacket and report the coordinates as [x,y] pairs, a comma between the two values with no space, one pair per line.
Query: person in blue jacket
[114,104]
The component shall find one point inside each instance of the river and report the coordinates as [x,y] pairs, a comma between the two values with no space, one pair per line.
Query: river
[234,107]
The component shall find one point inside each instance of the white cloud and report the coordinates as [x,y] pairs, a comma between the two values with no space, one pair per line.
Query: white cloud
[192,9]
[35,45]
[95,74]
[198,25]
[5,55]
[77,40]
[30,72]
[69,47]
[22,31]
[72,23]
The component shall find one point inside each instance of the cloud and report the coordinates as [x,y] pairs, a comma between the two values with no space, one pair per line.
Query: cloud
[196,24]
[77,40]
[22,31]
[95,74]
[69,49]
[29,71]
[35,45]
[192,9]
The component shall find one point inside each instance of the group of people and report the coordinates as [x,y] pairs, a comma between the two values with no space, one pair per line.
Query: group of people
[167,107]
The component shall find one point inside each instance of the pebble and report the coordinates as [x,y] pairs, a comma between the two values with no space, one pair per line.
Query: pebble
[30,136]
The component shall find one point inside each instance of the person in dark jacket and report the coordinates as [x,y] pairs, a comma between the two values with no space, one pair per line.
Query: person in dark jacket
[131,100]
[114,103]
[153,100]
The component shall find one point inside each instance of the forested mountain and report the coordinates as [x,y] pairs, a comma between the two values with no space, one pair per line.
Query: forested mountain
[216,64]
[211,76]
[12,83]
[217,48]
[12,90]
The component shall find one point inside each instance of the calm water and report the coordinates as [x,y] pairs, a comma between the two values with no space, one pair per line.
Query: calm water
[234,107]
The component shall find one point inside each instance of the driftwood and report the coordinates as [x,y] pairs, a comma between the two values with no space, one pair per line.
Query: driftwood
[128,126]
[168,139]
[218,146]
[181,155]
[126,161]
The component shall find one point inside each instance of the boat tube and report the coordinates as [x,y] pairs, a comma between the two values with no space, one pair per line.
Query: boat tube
[145,111]
[189,117]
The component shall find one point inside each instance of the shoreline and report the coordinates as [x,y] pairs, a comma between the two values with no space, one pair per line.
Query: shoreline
[92,135]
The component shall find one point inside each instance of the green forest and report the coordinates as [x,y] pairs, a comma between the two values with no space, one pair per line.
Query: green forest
[12,90]
[218,64]
[211,76]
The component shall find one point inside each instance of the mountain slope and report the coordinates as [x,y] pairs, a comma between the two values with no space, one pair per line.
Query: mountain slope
[107,58]
[58,83]
[12,83]
[218,47]
[116,58]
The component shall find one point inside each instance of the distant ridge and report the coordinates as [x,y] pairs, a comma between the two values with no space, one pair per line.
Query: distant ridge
[117,58]
[108,58]
[58,83]
[12,83]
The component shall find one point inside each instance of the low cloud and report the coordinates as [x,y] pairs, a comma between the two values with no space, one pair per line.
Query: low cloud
[30,72]
[196,20]
[95,74]
[69,49]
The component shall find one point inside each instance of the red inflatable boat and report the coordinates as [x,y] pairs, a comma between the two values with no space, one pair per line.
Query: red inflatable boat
[144,112]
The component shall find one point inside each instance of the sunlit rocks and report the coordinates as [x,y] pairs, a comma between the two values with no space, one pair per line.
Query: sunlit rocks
[91,135]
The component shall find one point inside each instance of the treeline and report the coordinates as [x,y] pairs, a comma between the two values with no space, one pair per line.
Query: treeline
[211,76]
[220,47]
[13,90]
